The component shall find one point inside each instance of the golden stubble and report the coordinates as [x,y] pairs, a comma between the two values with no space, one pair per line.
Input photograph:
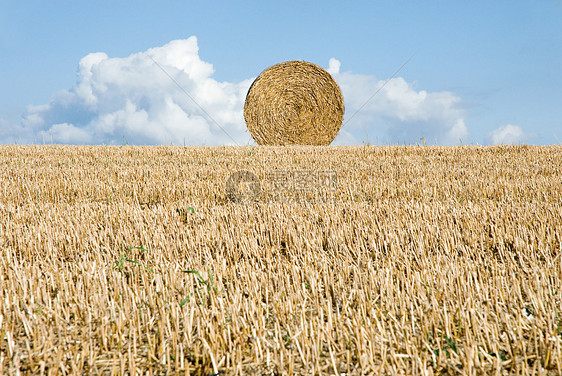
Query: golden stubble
[426,260]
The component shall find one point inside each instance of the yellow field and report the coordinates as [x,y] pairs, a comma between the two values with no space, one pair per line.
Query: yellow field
[350,260]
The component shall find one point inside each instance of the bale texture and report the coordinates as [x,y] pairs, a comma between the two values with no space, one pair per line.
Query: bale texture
[294,103]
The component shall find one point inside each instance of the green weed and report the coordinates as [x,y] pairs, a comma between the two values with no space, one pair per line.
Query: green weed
[124,257]
[202,283]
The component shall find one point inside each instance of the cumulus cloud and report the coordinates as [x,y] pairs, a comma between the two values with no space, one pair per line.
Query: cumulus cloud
[133,100]
[141,99]
[508,134]
[12,133]
[334,66]
[398,112]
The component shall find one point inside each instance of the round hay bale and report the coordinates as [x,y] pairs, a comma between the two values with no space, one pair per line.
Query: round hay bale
[294,103]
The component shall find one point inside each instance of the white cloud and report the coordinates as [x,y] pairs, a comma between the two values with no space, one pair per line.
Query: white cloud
[334,66]
[345,138]
[131,99]
[509,134]
[13,133]
[33,118]
[66,133]
[397,111]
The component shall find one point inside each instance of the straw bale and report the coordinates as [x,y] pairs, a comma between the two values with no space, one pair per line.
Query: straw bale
[294,103]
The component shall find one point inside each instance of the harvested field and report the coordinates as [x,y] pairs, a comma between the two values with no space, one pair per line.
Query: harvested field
[418,261]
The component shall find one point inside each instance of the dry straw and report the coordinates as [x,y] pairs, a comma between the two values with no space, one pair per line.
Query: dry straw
[294,102]
[429,261]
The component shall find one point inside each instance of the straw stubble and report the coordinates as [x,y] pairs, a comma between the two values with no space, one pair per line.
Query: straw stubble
[429,260]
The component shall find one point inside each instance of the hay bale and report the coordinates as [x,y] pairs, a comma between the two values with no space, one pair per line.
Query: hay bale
[294,103]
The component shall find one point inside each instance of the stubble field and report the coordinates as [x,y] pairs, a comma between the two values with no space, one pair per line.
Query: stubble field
[334,260]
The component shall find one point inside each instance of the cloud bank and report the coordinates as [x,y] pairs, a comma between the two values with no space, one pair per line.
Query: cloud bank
[509,134]
[167,95]
[133,100]
[393,111]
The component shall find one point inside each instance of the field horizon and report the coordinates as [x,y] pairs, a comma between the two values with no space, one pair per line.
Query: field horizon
[347,260]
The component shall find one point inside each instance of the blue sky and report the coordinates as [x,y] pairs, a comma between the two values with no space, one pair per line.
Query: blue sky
[483,72]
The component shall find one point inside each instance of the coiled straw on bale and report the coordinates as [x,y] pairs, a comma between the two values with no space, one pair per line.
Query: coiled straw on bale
[294,103]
